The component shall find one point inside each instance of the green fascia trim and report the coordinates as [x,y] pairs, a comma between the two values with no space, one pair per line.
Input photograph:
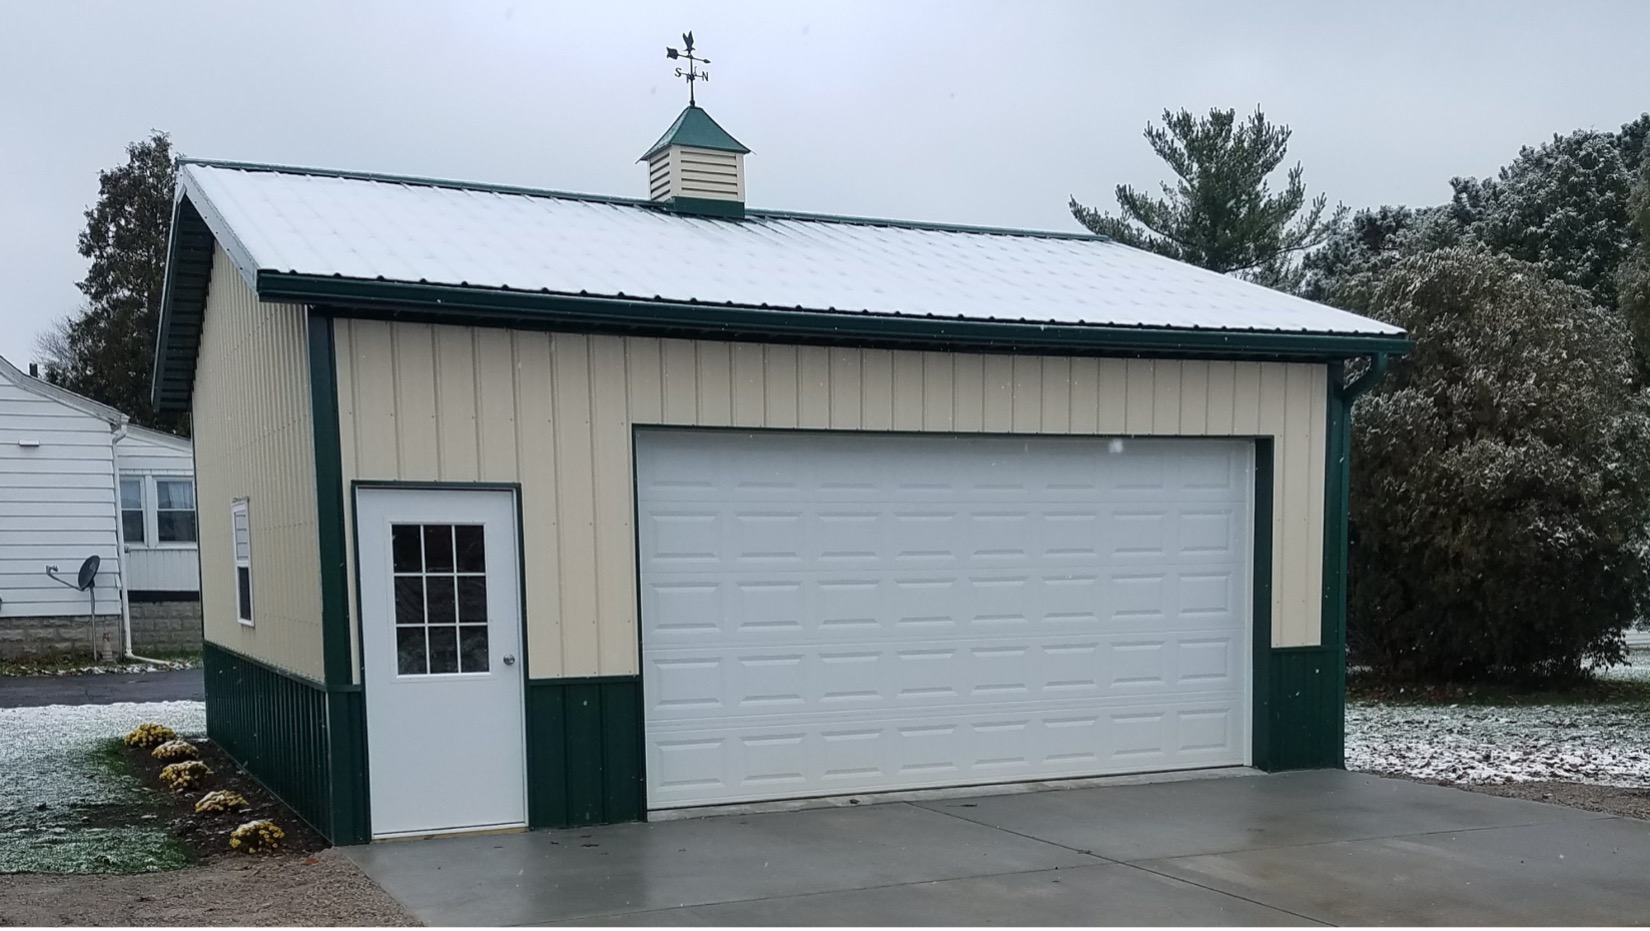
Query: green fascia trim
[695,128]
[1260,738]
[707,207]
[463,306]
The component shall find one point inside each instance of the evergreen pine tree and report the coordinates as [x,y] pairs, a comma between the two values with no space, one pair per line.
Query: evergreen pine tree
[1221,213]
[107,351]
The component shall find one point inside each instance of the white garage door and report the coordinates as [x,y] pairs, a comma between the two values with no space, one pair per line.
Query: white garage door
[836,613]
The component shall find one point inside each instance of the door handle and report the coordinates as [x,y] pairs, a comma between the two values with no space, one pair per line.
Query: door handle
[509,659]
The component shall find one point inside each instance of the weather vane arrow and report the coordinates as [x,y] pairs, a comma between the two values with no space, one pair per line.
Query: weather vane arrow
[694,73]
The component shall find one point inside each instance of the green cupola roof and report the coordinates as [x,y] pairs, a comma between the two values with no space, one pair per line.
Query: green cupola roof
[695,128]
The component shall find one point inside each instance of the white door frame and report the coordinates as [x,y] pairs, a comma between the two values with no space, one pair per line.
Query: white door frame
[497,692]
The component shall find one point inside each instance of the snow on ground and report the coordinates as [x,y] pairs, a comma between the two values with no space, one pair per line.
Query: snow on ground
[1601,743]
[55,788]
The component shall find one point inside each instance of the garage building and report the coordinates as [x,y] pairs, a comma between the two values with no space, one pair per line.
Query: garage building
[524,508]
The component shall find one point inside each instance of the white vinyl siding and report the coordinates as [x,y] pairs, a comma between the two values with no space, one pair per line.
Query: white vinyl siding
[555,412]
[164,557]
[58,504]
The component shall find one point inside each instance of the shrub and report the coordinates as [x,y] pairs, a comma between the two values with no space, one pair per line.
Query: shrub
[258,836]
[221,800]
[176,750]
[181,777]
[149,734]
[1500,495]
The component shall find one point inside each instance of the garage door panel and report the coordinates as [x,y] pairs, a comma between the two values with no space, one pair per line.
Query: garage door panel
[695,608]
[853,612]
[753,759]
[915,675]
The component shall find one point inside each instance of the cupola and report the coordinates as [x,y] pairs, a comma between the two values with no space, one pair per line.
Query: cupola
[696,167]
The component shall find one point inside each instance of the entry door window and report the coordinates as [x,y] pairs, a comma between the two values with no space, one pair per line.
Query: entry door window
[440,598]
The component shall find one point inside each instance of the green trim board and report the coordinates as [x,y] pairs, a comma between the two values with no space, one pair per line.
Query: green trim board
[1260,666]
[707,207]
[585,751]
[695,128]
[338,654]
[467,306]
[347,772]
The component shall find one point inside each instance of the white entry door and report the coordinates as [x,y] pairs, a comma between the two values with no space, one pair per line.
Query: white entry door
[828,614]
[440,585]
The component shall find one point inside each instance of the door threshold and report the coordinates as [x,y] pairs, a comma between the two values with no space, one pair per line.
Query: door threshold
[948,792]
[481,831]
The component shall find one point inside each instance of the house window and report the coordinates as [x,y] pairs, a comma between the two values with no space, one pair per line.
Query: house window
[174,510]
[131,510]
[241,521]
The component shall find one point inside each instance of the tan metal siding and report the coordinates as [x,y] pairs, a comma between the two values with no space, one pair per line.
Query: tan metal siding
[556,410]
[254,439]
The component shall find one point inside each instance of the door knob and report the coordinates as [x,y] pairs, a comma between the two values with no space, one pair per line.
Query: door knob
[509,659]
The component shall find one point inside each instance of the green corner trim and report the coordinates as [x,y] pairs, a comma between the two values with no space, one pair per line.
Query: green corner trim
[329,502]
[584,751]
[1261,608]
[348,786]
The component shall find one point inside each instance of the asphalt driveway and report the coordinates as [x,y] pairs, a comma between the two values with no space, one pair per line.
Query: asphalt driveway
[105,689]
[1288,849]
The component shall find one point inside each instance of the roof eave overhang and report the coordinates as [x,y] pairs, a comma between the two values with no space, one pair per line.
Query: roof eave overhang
[475,306]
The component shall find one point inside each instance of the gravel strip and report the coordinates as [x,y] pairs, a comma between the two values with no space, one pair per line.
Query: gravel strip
[278,891]
[1610,800]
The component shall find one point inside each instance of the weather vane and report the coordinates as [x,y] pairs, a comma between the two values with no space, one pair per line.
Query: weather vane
[692,73]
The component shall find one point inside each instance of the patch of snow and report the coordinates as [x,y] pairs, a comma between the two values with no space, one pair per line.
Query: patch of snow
[51,778]
[1603,744]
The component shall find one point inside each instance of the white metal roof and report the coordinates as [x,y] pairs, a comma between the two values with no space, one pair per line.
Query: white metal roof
[409,230]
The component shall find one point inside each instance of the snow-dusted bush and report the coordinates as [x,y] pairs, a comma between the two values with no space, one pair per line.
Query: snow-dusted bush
[176,749]
[1500,478]
[256,836]
[149,734]
[181,777]
[221,800]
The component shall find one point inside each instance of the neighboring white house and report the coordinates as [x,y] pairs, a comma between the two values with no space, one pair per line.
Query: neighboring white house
[78,480]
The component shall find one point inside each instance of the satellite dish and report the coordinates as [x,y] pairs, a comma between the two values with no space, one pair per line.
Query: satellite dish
[88,572]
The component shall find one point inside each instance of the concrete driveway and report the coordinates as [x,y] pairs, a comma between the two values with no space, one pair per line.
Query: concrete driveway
[1294,848]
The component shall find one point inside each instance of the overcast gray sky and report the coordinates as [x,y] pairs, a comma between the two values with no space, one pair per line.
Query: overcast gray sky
[969,112]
